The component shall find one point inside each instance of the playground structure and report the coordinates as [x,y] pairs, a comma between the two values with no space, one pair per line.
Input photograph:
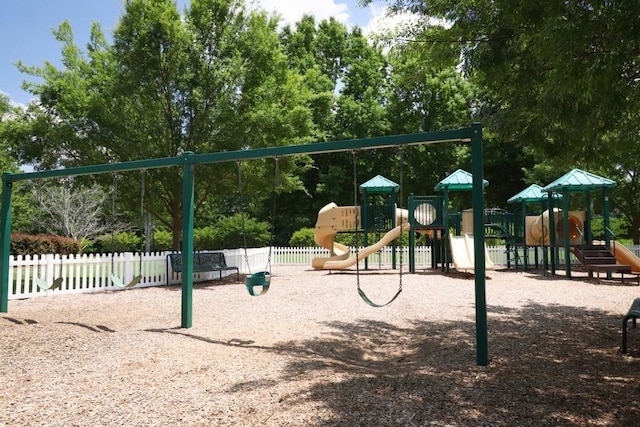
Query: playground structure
[426,215]
[564,230]
[462,253]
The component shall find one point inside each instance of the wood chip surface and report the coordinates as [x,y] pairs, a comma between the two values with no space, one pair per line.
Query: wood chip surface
[310,352]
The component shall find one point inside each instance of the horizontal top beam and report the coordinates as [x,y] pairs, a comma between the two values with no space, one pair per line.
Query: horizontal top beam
[459,135]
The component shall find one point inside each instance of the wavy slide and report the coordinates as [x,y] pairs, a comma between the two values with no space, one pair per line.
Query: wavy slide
[333,218]
[334,264]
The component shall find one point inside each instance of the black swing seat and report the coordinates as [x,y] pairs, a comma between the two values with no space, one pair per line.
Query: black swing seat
[260,279]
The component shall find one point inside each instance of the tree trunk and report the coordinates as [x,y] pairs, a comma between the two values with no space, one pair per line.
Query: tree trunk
[635,228]
[176,228]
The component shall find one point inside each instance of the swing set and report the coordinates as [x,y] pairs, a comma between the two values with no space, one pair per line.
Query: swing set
[188,160]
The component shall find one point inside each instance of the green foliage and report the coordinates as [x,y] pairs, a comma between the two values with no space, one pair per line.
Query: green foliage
[205,238]
[617,225]
[232,231]
[162,240]
[25,244]
[200,81]
[302,238]
[125,241]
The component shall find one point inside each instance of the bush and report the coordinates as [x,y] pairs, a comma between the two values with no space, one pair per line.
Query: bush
[126,241]
[230,234]
[205,238]
[303,238]
[27,244]
[162,240]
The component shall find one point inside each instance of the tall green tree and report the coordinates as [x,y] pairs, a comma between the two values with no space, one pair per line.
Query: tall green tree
[562,76]
[427,95]
[210,79]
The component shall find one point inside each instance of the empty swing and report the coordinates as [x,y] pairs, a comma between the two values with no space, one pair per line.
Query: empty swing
[115,279]
[361,292]
[260,279]
[138,278]
[39,281]
[42,284]
[57,283]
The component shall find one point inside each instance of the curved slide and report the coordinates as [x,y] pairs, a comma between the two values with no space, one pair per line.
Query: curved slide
[335,264]
[462,253]
[333,218]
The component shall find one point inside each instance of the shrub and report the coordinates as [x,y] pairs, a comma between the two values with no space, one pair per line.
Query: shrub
[162,240]
[125,241]
[230,234]
[303,238]
[27,244]
[205,238]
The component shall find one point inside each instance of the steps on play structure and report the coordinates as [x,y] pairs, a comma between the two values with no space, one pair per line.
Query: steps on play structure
[599,258]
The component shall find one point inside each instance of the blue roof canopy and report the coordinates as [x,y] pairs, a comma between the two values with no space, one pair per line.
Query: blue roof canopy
[379,184]
[460,180]
[579,180]
[532,193]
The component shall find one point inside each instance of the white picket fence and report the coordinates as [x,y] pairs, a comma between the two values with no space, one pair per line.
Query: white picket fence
[90,273]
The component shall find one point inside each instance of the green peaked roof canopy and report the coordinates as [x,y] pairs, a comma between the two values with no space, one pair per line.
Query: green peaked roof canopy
[579,180]
[532,193]
[458,181]
[379,184]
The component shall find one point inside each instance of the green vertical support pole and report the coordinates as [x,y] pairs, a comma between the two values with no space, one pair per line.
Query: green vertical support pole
[552,236]
[607,224]
[365,213]
[482,342]
[187,238]
[523,219]
[394,246]
[565,226]
[5,245]
[587,222]
[412,235]
[445,241]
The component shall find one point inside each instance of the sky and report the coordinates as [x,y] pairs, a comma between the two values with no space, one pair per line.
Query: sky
[25,28]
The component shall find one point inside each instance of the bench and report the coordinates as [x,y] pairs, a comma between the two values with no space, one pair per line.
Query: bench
[633,315]
[202,262]
[611,268]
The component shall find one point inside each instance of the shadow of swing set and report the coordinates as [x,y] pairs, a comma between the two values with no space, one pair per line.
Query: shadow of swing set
[188,160]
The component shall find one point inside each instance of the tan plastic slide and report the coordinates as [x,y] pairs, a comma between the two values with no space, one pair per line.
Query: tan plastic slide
[333,218]
[462,252]
[625,256]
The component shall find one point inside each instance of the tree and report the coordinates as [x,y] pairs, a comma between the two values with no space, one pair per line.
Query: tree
[550,65]
[72,211]
[209,80]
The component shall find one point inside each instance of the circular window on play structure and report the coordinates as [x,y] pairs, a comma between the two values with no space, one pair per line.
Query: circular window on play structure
[425,214]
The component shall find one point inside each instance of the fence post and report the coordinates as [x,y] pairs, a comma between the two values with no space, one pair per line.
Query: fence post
[127,275]
[49,260]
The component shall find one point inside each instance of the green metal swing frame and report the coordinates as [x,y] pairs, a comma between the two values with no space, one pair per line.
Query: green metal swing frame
[188,160]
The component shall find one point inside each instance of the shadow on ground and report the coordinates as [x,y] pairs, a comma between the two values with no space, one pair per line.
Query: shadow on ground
[549,365]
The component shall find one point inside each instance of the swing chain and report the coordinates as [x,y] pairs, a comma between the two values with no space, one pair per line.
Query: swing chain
[273,211]
[357,216]
[401,212]
[242,224]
